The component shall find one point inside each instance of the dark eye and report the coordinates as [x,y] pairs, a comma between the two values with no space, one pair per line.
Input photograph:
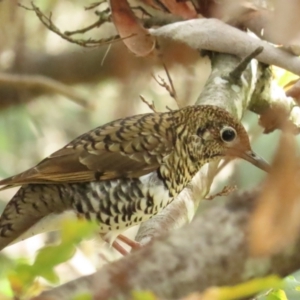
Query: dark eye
[228,134]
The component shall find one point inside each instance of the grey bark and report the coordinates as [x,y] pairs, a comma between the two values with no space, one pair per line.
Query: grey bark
[211,251]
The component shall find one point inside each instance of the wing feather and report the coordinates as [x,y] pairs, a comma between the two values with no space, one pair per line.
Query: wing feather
[129,147]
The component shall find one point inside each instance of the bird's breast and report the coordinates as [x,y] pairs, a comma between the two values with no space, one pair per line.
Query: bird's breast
[122,203]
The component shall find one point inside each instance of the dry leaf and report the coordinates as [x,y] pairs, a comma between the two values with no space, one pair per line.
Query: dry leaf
[294,91]
[274,118]
[286,33]
[184,9]
[136,38]
[275,222]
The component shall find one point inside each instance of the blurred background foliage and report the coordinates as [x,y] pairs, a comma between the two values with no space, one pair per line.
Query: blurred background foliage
[33,123]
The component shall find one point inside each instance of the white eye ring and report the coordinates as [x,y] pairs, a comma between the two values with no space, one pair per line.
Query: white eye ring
[228,134]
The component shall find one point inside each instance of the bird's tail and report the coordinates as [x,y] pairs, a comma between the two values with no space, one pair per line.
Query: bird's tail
[30,205]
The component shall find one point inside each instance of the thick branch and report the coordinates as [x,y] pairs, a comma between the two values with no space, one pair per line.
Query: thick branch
[202,254]
[40,82]
[86,67]
[214,35]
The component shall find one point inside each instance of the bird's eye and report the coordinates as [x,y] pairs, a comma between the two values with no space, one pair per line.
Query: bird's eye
[228,134]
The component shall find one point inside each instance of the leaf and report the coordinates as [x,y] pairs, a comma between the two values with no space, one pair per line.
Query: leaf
[136,38]
[275,222]
[275,117]
[73,231]
[242,290]
[178,8]
[294,91]
[51,256]
[143,295]
[22,277]
[83,296]
[277,295]
[5,288]
[50,275]
[287,79]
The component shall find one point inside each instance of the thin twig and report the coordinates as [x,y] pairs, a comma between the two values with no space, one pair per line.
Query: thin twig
[95,4]
[170,89]
[150,105]
[47,21]
[241,67]
[103,18]
[224,192]
[173,91]
[142,10]
[168,108]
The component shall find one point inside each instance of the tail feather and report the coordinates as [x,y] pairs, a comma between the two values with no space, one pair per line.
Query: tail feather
[27,177]
[30,205]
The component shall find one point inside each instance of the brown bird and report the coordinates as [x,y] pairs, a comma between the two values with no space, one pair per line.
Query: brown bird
[124,172]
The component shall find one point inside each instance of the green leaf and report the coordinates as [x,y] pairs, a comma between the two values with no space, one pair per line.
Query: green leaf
[245,289]
[143,295]
[83,296]
[286,78]
[50,275]
[5,288]
[52,256]
[22,275]
[277,295]
[73,231]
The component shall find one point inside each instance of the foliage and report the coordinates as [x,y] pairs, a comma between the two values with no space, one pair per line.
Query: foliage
[22,276]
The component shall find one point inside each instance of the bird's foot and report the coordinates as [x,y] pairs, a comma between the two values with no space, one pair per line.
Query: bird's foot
[129,242]
[117,246]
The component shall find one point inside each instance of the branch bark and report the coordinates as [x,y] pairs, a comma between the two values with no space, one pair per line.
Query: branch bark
[40,82]
[215,35]
[193,258]
[86,67]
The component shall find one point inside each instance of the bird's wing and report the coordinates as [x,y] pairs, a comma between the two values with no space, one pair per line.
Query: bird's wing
[129,147]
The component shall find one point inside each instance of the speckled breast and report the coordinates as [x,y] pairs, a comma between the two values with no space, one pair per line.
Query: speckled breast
[122,203]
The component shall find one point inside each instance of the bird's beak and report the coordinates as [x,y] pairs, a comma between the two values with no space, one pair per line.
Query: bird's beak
[249,156]
[256,160]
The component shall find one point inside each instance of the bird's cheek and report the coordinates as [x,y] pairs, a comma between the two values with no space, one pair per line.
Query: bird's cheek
[194,151]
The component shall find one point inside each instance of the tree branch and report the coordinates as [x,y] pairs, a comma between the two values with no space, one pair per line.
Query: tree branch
[214,35]
[44,83]
[193,258]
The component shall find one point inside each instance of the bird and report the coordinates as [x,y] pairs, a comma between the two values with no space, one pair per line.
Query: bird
[124,172]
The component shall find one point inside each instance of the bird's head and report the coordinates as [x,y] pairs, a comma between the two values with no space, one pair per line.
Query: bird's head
[220,135]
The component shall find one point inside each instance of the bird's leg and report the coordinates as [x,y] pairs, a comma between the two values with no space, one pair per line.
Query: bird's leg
[131,243]
[119,248]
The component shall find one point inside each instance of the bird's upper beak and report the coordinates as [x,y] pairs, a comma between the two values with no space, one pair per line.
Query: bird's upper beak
[251,157]
[256,160]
